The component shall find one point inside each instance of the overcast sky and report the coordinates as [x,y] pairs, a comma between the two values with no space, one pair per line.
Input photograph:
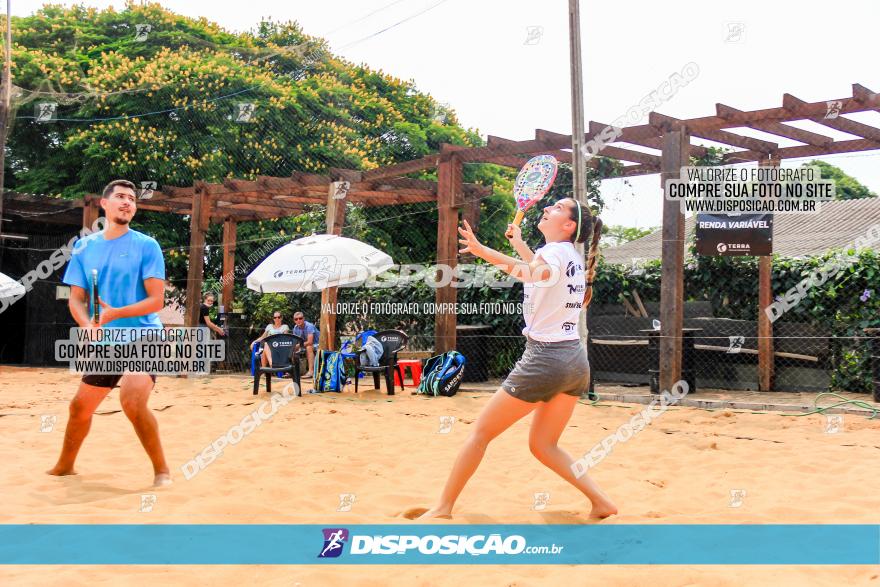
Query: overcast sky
[503,65]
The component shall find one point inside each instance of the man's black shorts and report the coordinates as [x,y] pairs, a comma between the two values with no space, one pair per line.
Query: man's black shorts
[110,381]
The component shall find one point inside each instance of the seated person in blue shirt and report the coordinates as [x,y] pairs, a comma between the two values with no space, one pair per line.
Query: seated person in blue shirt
[310,334]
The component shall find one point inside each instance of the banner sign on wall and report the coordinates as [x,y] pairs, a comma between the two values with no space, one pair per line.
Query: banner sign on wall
[731,235]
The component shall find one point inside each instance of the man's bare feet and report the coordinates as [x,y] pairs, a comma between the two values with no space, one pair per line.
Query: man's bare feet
[603,510]
[437,512]
[61,471]
[162,480]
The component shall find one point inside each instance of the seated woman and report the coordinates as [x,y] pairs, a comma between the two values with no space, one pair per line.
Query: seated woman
[277,327]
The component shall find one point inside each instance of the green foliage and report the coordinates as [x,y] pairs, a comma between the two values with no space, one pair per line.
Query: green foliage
[615,234]
[846,186]
[163,109]
[268,304]
[731,285]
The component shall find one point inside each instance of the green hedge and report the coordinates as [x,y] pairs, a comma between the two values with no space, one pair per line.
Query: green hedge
[843,306]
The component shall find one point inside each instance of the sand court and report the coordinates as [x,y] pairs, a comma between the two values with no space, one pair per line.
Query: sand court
[371,458]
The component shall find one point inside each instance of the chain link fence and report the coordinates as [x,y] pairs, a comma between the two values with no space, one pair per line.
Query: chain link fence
[165,101]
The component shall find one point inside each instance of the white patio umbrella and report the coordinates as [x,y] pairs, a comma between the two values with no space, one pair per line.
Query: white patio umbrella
[10,288]
[317,262]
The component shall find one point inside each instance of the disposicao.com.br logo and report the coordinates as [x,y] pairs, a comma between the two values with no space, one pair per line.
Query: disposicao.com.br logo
[451,544]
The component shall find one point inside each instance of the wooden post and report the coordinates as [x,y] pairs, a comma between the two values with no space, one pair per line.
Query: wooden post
[198,226]
[676,147]
[449,199]
[765,298]
[471,213]
[91,210]
[335,222]
[578,160]
[228,281]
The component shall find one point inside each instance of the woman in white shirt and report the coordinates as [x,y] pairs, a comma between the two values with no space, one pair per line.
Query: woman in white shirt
[553,372]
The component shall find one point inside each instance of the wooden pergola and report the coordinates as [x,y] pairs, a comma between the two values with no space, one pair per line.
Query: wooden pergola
[237,200]
[663,146]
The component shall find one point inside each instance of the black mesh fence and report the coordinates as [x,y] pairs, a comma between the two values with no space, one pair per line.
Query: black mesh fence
[171,105]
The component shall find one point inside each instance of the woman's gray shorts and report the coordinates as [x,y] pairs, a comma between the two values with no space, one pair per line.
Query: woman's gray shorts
[547,369]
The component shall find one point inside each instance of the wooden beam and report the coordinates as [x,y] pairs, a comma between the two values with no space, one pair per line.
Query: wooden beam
[514,161]
[865,96]
[596,128]
[350,175]
[622,154]
[335,219]
[228,279]
[776,128]
[661,121]
[675,155]
[765,298]
[196,266]
[839,123]
[449,175]
[399,169]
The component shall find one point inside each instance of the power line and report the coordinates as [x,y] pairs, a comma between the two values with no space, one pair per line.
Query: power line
[364,17]
[388,28]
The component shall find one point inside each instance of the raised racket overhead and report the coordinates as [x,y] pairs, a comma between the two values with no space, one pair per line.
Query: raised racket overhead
[532,182]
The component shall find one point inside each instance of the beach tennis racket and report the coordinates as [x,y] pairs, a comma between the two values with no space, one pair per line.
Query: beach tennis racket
[532,182]
[95,309]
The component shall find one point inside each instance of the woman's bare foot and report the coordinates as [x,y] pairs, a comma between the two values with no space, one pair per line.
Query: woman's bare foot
[162,479]
[603,509]
[61,471]
[437,512]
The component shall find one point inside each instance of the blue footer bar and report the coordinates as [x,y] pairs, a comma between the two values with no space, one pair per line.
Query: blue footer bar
[230,544]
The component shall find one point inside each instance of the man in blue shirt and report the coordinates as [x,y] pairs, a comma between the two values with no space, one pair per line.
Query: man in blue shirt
[310,334]
[131,282]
